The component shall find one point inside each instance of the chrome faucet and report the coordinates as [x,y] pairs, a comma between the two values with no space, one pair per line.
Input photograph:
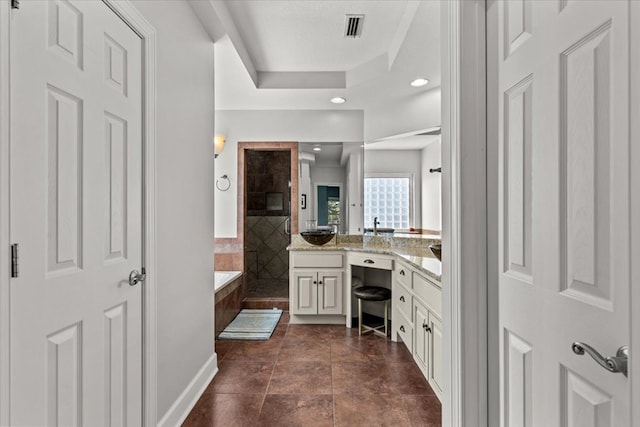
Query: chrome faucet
[376,223]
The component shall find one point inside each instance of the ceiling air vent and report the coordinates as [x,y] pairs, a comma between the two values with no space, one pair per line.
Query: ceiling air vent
[353,25]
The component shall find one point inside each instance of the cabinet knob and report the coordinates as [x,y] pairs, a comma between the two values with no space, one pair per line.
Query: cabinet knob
[369,261]
[402,273]
[320,282]
[402,298]
[426,327]
[315,282]
[402,328]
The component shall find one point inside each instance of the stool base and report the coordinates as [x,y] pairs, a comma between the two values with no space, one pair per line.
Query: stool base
[364,329]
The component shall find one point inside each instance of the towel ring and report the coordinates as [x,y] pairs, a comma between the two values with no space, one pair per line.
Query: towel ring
[224,187]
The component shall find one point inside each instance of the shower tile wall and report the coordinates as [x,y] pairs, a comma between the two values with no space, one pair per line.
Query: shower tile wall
[267,260]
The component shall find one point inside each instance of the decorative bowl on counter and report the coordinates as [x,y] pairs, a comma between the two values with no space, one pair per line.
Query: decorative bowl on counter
[437,250]
[317,237]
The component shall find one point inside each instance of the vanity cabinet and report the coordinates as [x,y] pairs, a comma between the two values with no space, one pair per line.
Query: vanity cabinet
[317,292]
[316,281]
[417,313]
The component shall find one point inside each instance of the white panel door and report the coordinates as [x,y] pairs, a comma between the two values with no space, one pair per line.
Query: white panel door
[76,194]
[564,210]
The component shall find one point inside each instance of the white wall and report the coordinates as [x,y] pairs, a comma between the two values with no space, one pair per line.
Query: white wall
[403,115]
[397,161]
[185,114]
[431,188]
[273,125]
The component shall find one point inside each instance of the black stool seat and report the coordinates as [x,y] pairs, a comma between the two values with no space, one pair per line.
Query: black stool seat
[372,293]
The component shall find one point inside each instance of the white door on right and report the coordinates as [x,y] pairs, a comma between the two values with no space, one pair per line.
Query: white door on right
[564,210]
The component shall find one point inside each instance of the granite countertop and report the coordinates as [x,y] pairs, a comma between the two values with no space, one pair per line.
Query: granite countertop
[414,251]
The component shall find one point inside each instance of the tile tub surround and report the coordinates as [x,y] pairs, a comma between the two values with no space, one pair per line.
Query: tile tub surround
[316,375]
[228,300]
[413,250]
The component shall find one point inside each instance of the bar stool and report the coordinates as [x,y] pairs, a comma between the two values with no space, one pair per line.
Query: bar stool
[372,293]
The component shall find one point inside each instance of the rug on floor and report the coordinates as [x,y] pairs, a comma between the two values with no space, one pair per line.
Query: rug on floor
[252,325]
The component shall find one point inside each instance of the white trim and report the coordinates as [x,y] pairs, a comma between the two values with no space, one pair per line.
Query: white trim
[5,30]
[634,159]
[464,231]
[145,30]
[183,405]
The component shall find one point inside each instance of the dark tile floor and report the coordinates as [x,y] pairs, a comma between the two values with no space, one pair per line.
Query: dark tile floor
[316,376]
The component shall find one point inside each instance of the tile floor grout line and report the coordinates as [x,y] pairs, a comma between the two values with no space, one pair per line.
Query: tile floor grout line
[273,369]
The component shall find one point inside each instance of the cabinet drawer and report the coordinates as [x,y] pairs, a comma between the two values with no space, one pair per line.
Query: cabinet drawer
[316,260]
[405,330]
[429,293]
[403,300]
[371,261]
[403,275]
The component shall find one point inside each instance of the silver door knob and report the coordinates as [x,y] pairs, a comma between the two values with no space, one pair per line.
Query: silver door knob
[136,277]
[617,363]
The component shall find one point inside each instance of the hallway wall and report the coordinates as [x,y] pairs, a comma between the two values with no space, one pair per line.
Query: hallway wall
[185,166]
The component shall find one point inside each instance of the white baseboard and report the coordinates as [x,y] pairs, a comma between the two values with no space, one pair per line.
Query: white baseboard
[183,405]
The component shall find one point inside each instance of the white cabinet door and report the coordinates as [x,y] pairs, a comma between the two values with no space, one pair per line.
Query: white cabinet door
[330,292]
[435,353]
[421,340]
[76,212]
[305,292]
[564,214]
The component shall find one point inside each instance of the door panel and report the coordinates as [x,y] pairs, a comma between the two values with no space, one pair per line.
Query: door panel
[564,209]
[76,212]
[305,292]
[330,285]
[435,354]
[421,349]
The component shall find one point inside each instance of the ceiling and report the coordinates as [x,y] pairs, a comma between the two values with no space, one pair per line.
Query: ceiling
[292,54]
[412,142]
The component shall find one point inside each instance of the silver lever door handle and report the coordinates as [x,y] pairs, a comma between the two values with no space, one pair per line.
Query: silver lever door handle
[136,277]
[617,363]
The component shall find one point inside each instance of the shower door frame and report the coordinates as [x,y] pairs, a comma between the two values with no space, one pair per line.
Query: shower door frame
[243,147]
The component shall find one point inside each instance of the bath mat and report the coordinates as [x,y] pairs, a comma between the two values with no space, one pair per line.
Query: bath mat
[252,325]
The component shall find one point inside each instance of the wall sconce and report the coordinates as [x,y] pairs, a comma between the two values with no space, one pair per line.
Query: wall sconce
[218,144]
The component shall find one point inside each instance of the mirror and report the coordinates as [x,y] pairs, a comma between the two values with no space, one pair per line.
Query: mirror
[330,185]
[402,183]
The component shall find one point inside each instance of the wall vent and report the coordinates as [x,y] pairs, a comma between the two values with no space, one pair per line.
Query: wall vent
[353,25]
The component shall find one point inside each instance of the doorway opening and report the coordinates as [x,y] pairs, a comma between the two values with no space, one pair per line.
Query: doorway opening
[268,202]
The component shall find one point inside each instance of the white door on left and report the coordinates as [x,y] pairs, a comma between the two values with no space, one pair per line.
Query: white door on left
[76,213]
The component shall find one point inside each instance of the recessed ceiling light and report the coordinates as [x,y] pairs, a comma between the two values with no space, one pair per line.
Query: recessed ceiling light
[338,100]
[420,82]
[317,147]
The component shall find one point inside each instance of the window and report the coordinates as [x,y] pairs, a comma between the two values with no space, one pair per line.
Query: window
[334,210]
[390,198]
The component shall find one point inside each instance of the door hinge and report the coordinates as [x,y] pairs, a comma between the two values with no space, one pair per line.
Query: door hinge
[14,260]
[15,4]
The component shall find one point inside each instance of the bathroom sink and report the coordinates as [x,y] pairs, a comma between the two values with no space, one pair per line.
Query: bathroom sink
[437,250]
[318,237]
